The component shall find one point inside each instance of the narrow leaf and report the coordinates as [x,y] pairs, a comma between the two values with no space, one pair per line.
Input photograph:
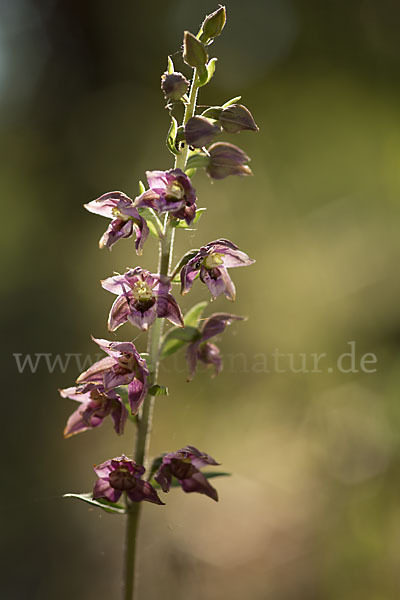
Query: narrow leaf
[231,101]
[153,222]
[202,76]
[212,474]
[158,390]
[193,315]
[208,73]
[110,507]
[197,160]
[141,187]
[190,172]
[176,338]
[183,225]
[172,136]
[213,112]
[170,68]
[185,259]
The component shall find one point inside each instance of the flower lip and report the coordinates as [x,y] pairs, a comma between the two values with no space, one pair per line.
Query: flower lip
[142,297]
[212,262]
[119,475]
[185,465]
[215,259]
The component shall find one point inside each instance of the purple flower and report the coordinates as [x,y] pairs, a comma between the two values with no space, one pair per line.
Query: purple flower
[201,349]
[227,159]
[125,218]
[170,191]
[141,298]
[96,405]
[123,475]
[236,118]
[122,366]
[212,262]
[185,465]
[200,132]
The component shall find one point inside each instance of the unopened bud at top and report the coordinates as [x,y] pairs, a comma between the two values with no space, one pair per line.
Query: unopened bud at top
[200,132]
[194,53]
[174,85]
[213,25]
[226,159]
[237,118]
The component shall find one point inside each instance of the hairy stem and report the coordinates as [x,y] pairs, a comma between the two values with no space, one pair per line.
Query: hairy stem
[181,159]
[153,348]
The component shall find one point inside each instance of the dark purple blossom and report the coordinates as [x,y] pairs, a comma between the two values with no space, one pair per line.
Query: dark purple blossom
[236,118]
[122,366]
[170,191]
[227,159]
[123,475]
[185,465]
[125,219]
[142,297]
[95,405]
[200,132]
[203,350]
[212,262]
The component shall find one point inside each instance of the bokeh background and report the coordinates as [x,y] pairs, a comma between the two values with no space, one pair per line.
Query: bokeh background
[312,510]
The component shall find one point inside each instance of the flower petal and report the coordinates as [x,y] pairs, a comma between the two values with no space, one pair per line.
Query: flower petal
[76,424]
[168,308]
[95,373]
[143,491]
[137,391]
[198,483]
[216,323]
[119,313]
[105,204]
[119,415]
[103,489]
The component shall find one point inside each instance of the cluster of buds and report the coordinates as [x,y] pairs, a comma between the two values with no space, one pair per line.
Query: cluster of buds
[119,384]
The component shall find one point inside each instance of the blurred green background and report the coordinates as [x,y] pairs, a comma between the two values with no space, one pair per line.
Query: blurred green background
[313,508]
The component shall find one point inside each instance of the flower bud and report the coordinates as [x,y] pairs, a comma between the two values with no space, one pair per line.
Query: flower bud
[174,85]
[227,159]
[213,25]
[237,118]
[194,53]
[200,132]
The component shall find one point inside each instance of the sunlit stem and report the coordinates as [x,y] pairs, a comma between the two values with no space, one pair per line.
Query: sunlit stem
[153,348]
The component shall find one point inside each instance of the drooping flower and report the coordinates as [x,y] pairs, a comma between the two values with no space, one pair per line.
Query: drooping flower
[205,351]
[142,297]
[119,475]
[227,159]
[95,405]
[125,219]
[185,465]
[170,191]
[122,366]
[200,131]
[212,262]
[236,118]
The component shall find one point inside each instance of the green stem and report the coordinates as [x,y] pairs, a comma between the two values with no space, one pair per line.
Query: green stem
[153,347]
[181,159]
